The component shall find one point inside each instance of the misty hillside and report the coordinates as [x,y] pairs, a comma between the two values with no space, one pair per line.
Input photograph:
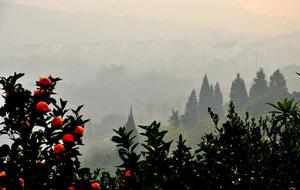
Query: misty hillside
[110,63]
[44,26]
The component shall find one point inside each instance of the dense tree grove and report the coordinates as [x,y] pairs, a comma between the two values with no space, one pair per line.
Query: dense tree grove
[209,96]
[261,91]
[241,153]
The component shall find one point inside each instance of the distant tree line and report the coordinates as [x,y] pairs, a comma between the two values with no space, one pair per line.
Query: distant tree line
[253,102]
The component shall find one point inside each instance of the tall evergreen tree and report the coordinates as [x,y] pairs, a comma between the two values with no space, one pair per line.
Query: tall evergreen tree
[130,126]
[190,116]
[211,99]
[205,97]
[174,119]
[218,100]
[211,89]
[277,82]
[260,85]
[238,93]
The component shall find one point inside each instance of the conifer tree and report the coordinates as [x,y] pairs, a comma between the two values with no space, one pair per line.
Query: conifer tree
[277,82]
[205,97]
[219,109]
[238,93]
[190,116]
[260,85]
[211,101]
[211,89]
[174,119]
[130,126]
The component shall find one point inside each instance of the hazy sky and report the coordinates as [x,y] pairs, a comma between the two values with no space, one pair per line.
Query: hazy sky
[283,8]
[283,15]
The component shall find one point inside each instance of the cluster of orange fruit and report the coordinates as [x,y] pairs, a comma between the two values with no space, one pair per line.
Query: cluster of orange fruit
[57,123]
[42,107]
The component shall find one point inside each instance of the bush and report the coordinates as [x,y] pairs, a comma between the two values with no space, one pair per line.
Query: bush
[240,154]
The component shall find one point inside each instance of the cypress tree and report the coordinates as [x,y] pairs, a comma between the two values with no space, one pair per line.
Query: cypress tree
[174,119]
[130,126]
[219,109]
[260,85]
[190,116]
[238,93]
[277,82]
[211,101]
[205,97]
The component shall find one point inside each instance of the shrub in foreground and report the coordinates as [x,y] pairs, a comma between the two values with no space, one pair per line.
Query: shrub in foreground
[240,154]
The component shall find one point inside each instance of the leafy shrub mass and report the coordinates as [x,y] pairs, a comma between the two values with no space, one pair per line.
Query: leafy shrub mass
[242,153]
[45,138]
